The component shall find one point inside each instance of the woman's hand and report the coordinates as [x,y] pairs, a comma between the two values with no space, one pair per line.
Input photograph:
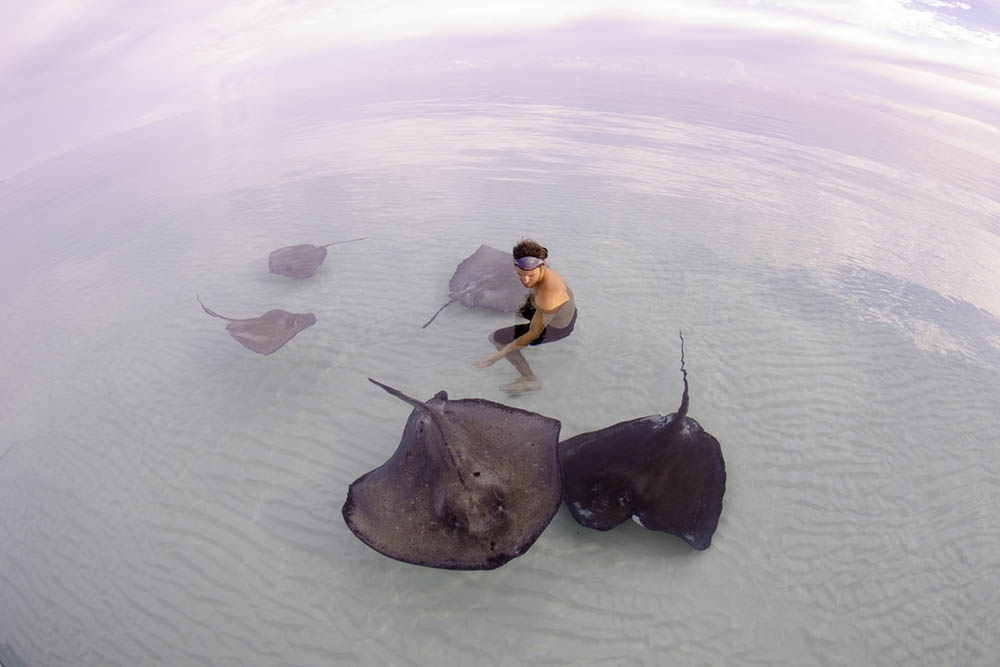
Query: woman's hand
[484,363]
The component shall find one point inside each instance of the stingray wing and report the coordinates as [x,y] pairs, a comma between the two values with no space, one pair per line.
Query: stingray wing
[683,493]
[600,470]
[471,485]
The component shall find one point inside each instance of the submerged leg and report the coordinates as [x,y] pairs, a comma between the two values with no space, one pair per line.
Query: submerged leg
[527,381]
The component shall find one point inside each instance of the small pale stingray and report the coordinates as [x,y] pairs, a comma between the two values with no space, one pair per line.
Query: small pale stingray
[486,279]
[666,472]
[267,333]
[472,485]
[300,261]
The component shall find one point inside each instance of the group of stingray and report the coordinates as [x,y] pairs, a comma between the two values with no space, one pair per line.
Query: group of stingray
[269,332]
[473,483]
[485,279]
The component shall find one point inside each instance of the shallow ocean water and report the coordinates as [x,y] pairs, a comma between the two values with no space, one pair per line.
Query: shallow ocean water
[169,497]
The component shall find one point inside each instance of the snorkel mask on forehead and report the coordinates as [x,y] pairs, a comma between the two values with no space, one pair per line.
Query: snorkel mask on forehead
[528,263]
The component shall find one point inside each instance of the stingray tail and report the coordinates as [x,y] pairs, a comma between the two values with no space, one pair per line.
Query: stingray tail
[436,314]
[420,405]
[211,312]
[682,411]
[423,407]
[347,241]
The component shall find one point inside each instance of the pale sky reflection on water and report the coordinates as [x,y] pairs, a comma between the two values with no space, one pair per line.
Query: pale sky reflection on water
[77,71]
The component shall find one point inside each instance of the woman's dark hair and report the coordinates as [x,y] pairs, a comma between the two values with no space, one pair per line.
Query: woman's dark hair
[528,248]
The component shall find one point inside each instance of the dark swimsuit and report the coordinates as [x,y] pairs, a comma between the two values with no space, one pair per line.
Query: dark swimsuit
[548,335]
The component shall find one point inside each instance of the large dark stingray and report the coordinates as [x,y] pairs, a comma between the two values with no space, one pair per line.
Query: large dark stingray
[266,333]
[665,471]
[486,279]
[472,485]
[300,261]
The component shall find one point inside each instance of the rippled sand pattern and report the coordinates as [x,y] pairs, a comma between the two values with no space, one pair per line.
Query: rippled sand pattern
[168,497]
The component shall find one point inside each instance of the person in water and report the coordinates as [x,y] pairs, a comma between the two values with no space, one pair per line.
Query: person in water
[550,308]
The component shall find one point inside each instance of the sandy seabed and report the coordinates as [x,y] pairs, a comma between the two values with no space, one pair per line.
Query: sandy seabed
[167,497]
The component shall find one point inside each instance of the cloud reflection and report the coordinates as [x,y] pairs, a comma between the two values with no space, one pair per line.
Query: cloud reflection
[76,70]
